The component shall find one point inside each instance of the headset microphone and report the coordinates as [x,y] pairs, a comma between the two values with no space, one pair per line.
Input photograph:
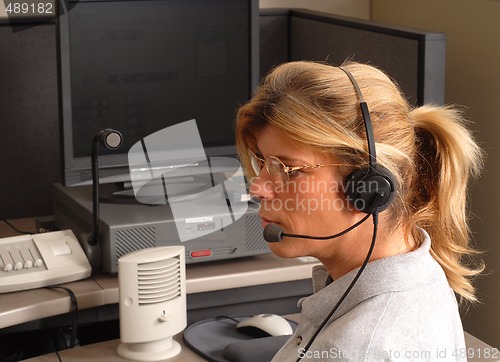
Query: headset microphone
[274,232]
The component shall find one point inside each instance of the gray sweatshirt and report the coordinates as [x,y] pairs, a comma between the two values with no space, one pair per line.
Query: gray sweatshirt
[401,309]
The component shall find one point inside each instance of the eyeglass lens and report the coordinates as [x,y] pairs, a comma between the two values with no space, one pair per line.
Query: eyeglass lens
[276,169]
[274,166]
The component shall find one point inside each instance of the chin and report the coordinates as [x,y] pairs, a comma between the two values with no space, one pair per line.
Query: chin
[284,249]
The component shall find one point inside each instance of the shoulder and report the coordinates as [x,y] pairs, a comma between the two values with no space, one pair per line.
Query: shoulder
[399,306]
[395,325]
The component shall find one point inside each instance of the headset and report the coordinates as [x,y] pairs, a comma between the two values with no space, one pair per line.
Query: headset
[371,188]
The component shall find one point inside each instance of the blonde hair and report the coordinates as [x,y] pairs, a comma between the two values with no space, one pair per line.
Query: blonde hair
[428,149]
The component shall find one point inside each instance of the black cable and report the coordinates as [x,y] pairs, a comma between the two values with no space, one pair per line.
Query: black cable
[353,282]
[352,227]
[55,349]
[18,230]
[74,304]
[14,356]
[227,317]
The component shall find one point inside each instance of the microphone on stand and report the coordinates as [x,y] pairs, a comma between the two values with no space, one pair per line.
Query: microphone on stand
[112,140]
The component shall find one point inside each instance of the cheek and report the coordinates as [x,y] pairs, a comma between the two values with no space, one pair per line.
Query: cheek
[317,196]
[309,201]
[315,211]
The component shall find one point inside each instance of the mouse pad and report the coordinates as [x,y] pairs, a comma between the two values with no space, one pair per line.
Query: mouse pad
[217,340]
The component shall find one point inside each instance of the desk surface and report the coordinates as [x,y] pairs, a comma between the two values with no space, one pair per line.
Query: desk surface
[106,351]
[99,290]
[102,289]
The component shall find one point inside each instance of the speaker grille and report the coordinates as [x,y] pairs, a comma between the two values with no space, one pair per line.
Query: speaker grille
[158,281]
[128,240]
[253,234]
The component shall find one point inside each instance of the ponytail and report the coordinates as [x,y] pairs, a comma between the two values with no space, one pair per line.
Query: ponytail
[446,157]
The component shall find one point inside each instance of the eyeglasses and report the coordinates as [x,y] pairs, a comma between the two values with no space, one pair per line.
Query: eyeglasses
[278,171]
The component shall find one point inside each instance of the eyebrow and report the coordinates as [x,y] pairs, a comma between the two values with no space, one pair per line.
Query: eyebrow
[284,159]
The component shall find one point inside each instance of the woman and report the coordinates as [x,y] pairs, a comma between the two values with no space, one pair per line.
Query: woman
[301,137]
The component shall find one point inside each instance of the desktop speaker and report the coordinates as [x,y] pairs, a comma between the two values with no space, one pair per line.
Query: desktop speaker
[152,302]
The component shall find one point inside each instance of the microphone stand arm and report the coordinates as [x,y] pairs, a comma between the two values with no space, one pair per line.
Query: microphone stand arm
[112,140]
[94,236]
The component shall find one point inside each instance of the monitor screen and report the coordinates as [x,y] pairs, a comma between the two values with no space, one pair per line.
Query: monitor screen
[140,66]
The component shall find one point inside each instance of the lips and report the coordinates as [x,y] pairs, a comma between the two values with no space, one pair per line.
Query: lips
[265,221]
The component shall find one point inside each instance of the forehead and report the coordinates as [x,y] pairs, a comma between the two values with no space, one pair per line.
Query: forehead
[271,141]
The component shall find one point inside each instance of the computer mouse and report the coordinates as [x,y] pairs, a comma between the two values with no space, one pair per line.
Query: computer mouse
[265,325]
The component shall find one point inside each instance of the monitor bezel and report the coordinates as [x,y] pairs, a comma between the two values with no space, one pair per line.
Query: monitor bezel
[113,167]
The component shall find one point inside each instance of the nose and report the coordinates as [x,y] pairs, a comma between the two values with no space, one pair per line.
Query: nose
[261,186]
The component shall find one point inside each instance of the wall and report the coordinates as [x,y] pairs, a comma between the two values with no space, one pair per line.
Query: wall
[357,9]
[472,80]
[29,120]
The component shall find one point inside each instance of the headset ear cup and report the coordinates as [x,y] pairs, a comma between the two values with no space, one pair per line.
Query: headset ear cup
[369,190]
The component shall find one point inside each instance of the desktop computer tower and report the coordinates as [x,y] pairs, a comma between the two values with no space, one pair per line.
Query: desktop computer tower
[127,227]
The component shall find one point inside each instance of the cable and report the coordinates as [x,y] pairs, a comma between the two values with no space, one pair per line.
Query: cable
[16,229]
[74,304]
[352,227]
[227,317]
[353,282]
[55,350]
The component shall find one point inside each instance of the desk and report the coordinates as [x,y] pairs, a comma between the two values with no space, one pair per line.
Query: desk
[106,351]
[225,281]
[211,288]
[223,278]
[258,284]
[26,224]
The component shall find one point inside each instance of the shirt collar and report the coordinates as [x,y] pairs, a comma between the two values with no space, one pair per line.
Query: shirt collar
[394,273]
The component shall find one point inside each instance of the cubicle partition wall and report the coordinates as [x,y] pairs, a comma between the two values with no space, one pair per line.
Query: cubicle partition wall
[274,38]
[415,59]
[29,120]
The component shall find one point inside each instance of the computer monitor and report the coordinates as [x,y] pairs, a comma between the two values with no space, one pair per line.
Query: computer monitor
[139,66]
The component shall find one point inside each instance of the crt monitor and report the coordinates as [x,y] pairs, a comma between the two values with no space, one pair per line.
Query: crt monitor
[139,66]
